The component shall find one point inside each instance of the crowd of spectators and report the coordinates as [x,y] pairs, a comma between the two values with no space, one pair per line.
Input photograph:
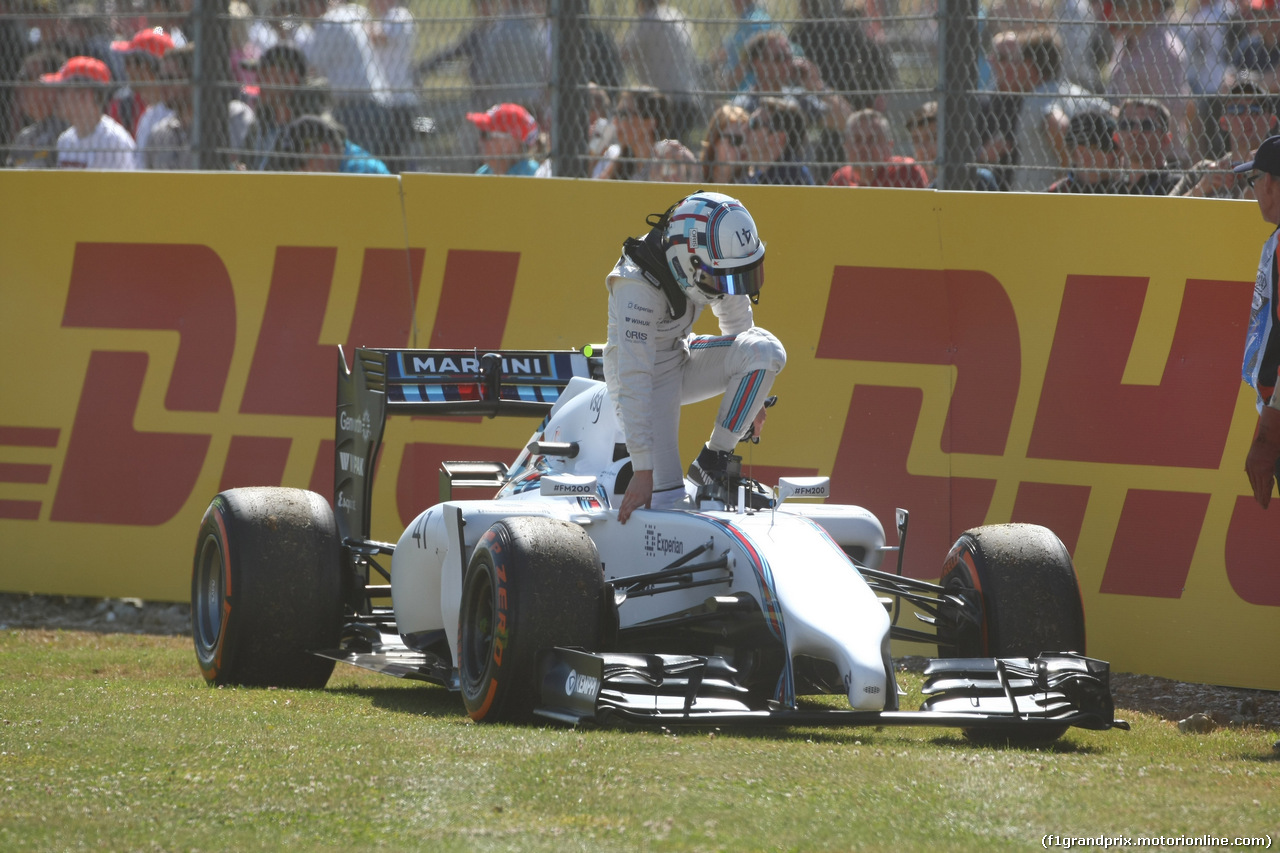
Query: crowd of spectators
[1079,96]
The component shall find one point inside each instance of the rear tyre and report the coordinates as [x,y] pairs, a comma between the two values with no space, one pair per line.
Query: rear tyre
[533,583]
[1023,578]
[266,589]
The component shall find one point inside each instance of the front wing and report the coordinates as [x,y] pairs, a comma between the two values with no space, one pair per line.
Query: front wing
[1048,691]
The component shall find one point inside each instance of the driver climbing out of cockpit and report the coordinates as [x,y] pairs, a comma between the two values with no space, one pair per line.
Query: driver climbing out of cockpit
[704,251]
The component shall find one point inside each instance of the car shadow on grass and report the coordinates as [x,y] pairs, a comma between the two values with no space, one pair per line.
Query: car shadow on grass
[418,701]
[1058,747]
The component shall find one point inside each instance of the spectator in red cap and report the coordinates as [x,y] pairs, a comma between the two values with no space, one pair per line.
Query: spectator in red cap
[94,140]
[508,134]
[868,146]
[144,99]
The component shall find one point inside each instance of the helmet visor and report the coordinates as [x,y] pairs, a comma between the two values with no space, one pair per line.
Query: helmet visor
[741,281]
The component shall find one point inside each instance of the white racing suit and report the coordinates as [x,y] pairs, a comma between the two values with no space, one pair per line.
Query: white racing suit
[653,364]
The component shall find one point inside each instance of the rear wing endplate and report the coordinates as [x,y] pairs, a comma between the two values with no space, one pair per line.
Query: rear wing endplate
[439,383]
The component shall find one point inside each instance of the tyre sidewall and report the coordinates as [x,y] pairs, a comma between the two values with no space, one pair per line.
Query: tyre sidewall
[215,652]
[490,565]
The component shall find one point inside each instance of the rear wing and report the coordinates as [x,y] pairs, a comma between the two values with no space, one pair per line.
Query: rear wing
[438,383]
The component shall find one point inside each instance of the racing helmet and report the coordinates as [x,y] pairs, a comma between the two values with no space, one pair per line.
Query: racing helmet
[713,248]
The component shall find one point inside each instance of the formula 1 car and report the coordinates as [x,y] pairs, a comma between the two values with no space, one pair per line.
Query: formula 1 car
[537,603]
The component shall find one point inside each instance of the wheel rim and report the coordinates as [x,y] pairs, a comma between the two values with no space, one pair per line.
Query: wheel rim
[206,609]
[968,638]
[477,631]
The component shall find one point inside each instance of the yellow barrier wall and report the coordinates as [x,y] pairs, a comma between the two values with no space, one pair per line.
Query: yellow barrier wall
[973,358]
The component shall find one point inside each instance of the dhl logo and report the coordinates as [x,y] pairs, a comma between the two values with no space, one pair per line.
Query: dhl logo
[1086,418]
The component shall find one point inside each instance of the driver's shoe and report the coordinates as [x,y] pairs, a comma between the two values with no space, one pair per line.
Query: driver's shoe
[712,466]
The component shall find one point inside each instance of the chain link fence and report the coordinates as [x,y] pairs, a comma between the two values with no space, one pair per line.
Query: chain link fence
[1138,96]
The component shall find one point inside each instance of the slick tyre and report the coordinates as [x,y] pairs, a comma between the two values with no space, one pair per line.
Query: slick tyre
[532,583]
[266,589]
[1022,577]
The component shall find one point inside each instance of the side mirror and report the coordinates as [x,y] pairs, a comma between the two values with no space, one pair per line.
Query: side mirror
[803,487]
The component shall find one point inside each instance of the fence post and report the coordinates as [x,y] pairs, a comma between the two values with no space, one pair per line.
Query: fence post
[209,133]
[958,103]
[569,89]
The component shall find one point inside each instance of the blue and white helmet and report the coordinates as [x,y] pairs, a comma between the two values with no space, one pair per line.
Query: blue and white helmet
[713,248]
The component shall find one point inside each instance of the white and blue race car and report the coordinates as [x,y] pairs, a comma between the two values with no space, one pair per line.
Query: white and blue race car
[537,603]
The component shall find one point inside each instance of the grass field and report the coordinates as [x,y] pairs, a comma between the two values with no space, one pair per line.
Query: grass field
[113,742]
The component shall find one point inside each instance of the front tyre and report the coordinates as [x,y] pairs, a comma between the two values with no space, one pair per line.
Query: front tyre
[533,583]
[266,589]
[1025,584]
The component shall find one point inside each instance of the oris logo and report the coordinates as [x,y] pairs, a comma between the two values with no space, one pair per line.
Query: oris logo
[655,543]
[633,335]
[581,685]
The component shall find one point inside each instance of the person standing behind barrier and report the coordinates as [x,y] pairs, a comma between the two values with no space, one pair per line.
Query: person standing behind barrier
[1145,140]
[641,119]
[394,37]
[1262,340]
[1094,158]
[1150,61]
[659,49]
[142,56]
[282,74]
[36,145]
[849,60]
[507,135]
[1258,54]
[728,61]
[94,140]
[868,146]
[776,138]
[168,145]
[511,62]
[1248,117]
[998,110]
[338,47]
[922,126]
[781,74]
[1048,103]
[723,157]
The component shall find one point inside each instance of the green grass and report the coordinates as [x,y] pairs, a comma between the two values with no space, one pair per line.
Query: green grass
[113,742]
